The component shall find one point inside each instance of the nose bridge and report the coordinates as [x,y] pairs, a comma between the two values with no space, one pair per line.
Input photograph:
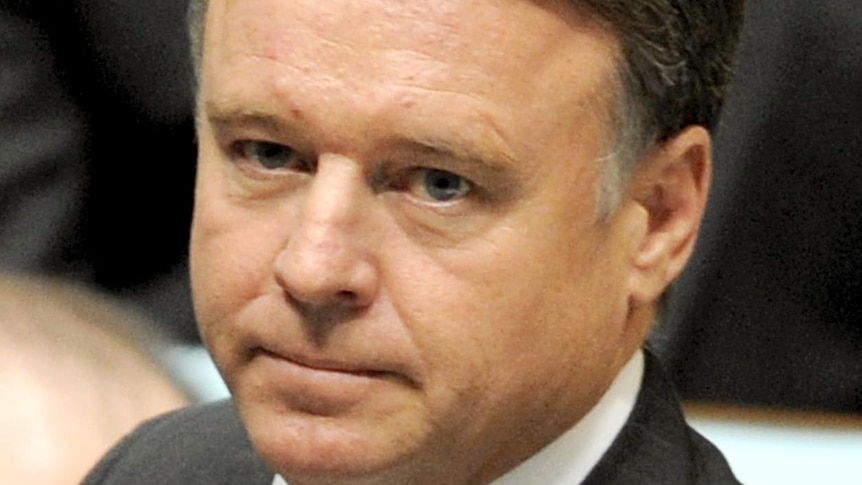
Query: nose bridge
[326,257]
[333,203]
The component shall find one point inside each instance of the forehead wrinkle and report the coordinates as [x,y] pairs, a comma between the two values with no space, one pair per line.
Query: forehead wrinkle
[310,36]
[230,99]
[419,68]
[315,34]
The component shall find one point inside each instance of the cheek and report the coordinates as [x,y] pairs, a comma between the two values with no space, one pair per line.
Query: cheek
[506,310]
[478,317]
[231,258]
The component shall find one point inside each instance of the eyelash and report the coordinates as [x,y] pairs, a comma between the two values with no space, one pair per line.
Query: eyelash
[252,151]
[451,192]
[248,154]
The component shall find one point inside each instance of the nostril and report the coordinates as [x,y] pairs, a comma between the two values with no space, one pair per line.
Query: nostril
[327,269]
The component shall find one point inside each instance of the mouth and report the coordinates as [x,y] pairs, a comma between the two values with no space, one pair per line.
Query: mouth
[324,365]
[319,386]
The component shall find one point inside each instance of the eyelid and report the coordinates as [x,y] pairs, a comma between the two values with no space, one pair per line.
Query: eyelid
[416,181]
[231,128]
[408,182]
[249,154]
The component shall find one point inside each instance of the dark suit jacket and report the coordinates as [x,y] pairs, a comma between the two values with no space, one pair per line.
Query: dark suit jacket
[208,445]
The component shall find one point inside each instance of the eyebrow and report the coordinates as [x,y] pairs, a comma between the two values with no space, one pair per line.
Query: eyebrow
[466,151]
[223,115]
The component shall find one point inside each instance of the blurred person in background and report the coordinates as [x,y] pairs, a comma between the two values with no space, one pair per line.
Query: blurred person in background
[97,149]
[77,372]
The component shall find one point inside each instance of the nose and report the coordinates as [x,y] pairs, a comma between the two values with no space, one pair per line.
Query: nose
[327,262]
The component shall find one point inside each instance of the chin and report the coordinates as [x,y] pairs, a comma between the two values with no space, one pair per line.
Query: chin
[307,447]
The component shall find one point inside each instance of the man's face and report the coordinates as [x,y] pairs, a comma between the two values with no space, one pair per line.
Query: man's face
[395,258]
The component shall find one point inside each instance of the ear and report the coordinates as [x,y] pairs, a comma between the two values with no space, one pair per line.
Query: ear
[669,191]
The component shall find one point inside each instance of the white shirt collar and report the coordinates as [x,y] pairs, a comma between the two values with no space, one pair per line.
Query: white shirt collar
[569,458]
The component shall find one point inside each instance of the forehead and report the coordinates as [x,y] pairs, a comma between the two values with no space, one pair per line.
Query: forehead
[497,38]
[511,75]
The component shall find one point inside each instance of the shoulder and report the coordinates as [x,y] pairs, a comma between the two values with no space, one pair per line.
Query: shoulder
[200,444]
[657,445]
[708,463]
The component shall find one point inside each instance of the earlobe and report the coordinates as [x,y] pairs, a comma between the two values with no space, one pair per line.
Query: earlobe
[671,187]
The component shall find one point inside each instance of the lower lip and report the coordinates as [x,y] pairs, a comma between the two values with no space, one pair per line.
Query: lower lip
[314,390]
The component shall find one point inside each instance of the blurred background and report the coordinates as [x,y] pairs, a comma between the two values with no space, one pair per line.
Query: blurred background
[764,336]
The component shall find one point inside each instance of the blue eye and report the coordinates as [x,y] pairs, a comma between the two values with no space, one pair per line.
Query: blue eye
[440,185]
[270,156]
